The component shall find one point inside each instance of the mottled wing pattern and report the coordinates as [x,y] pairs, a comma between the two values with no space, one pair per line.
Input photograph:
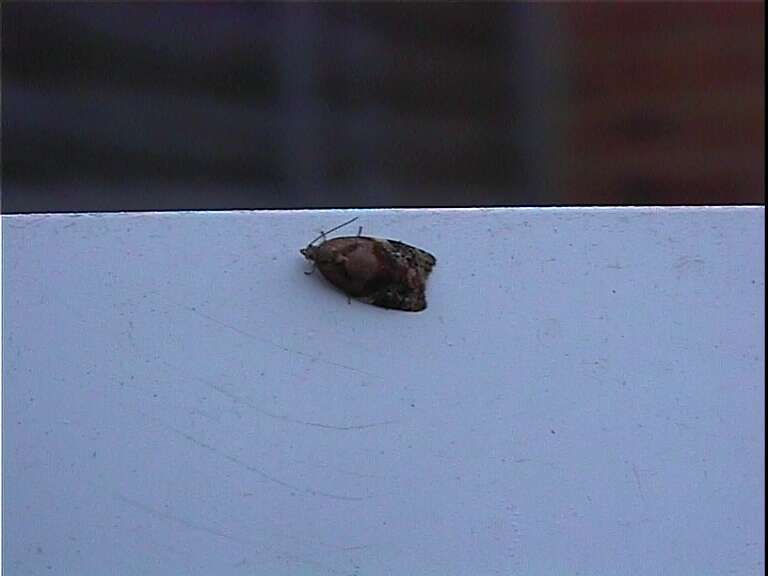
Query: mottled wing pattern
[413,257]
[407,293]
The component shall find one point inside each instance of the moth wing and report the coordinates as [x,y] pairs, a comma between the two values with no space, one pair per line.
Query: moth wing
[414,256]
[398,298]
[397,295]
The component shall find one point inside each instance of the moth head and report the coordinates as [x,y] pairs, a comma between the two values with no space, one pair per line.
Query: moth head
[324,253]
[314,253]
[310,252]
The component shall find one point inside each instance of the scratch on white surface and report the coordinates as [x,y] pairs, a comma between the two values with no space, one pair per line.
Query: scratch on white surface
[242,332]
[686,261]
[26,221]
[242,400]
[250,467]
[639,484]
[183,521]
[252,546]
[237,399]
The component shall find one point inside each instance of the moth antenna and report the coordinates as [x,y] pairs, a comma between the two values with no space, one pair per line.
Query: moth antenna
[322,234]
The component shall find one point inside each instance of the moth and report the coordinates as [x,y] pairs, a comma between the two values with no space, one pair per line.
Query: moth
[385,273]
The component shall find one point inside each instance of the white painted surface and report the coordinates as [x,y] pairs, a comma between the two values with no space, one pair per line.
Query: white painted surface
[584,395]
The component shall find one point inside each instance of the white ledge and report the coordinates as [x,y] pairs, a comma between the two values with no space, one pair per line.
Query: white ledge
[584,394]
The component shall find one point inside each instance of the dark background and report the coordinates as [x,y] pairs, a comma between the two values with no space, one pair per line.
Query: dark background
[166,106]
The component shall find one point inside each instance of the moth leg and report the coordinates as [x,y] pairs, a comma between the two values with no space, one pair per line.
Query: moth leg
[359,231]
[314,266]
[349,300]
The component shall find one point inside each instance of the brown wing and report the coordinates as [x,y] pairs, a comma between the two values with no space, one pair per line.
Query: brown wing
[407,271]
[395,298]
[414,257]
[385,273]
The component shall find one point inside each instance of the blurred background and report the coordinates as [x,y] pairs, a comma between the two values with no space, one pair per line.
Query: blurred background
[214,105]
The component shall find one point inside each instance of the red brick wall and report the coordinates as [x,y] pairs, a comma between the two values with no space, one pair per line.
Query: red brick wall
[667,103]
